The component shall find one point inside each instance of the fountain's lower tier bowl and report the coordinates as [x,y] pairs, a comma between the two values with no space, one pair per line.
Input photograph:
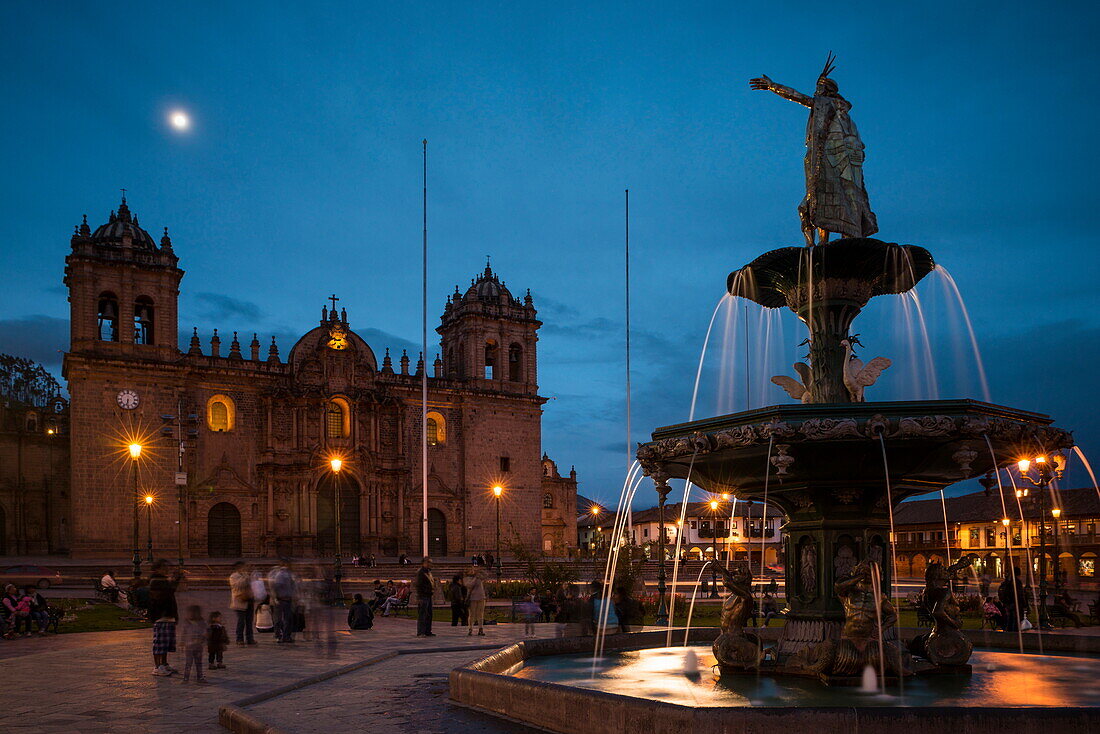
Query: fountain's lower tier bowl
[641,685]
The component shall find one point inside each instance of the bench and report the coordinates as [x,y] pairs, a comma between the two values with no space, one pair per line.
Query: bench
[101,592]
[924,619]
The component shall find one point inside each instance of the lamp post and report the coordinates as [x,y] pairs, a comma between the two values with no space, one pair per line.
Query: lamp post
[1040,472]
[717,551]
[149,527]
[1057,514]
[336,464]
[497,492]
[135,454]
[661,482]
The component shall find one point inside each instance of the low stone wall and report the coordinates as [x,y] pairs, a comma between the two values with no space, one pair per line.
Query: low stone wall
[487,685]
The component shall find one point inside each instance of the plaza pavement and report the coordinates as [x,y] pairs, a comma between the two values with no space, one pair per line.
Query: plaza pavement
[102,682]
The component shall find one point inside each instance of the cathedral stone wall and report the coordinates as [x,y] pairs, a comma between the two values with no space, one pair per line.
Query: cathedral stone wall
[258,429]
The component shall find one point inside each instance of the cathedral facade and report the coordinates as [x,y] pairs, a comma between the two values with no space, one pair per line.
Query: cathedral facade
[226,449]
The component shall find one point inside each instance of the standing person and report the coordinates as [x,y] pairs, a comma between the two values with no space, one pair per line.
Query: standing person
[629,610]
[283,591]
[600,603]
[983,584]
[193,635]
[1013,599]
[164,614]
[474,584]
[240,601]
[489,560]
[531,611]
[373,561]
[217,639]
[773,587]
[572,613]
[460,609]
[425,589]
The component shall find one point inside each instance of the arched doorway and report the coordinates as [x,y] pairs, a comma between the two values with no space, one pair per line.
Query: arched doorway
[223,531]
[437,533]
[326,515]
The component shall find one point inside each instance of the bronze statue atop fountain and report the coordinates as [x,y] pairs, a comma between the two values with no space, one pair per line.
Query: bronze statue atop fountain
[944,644]
[836,199]
[734,648]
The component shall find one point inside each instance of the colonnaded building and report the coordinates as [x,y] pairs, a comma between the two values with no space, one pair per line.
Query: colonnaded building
[236,440]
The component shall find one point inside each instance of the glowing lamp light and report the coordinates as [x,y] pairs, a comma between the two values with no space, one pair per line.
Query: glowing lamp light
[148,499]
[726,496]
[336,464]
[1040,459]
[714,504]
[1019,493]
[1057,512]
[498,490]
[135,450]
[1024,465]
[49,431]
[1006,522]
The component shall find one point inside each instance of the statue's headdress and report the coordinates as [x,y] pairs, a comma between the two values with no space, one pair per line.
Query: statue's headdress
[823,77]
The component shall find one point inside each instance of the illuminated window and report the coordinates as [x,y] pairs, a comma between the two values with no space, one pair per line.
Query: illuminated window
[1086,567]
[437,429]
[337,418]
[548,501]
[220,413]
[490,360]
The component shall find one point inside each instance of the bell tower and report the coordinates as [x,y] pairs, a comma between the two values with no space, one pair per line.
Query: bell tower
[123,290]
[489,337]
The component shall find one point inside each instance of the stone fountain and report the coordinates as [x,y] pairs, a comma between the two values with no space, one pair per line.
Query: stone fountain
[836,465]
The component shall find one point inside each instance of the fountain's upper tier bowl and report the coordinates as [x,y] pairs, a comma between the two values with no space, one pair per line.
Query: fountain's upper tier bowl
[856,269]
[838,448]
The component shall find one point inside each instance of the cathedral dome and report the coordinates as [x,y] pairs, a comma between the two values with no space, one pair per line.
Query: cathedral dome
[123,224]
[488,288]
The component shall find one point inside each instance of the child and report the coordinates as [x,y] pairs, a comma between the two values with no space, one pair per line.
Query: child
[193,633]
[531,611]
[217,639]
[264,622]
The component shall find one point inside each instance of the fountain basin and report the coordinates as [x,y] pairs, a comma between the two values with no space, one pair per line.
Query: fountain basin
[542,682]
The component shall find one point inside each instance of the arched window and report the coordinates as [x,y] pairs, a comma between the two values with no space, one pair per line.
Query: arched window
[490,360]
[221,413]
[337,418]
[143,320]
[437,429]
[548,501]
[515,363]
[108,317]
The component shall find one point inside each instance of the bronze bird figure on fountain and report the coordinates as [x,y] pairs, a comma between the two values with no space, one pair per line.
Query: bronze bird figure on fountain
[836,199]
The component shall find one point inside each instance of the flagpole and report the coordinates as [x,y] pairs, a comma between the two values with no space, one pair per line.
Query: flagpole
[424,371]
[629,452]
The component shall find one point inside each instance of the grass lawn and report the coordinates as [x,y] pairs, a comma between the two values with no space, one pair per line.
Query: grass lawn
[94,617]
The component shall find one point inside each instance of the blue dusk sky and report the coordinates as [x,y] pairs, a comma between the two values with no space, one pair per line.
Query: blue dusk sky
[300,177]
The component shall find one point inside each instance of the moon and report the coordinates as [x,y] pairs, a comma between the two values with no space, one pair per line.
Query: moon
[179,120]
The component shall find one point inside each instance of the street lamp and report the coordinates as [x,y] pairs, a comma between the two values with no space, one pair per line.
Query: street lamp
[336,464]
[135,454]
[717,552]
[497,492]
[1057,513]
[1040,472]
[149,527]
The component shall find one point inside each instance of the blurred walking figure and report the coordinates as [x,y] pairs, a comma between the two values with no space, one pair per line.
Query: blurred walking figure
[284,589]
[360,615]
[217,639]
[425,590]
[193,635]
[241,602]
[531,611]
[474,583]
[459,609]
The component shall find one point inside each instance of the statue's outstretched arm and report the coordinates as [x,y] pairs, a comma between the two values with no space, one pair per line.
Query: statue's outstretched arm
[766,84]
